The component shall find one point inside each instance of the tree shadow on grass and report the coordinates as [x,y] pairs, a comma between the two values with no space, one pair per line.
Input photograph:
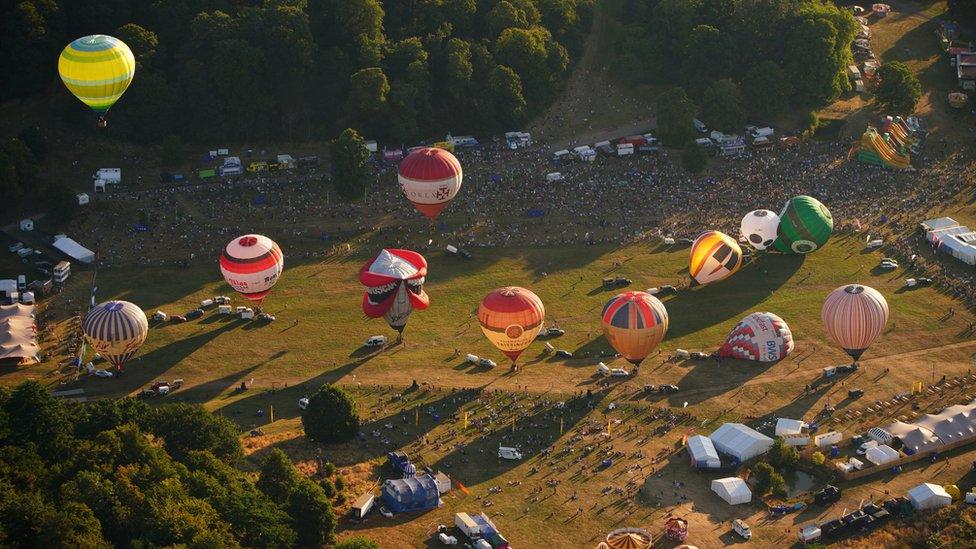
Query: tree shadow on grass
[697,308]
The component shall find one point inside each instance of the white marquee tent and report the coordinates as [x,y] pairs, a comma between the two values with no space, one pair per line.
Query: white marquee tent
[703,453]
[879,455]
[733,490]
[740,441]
[929,496]
[74,250]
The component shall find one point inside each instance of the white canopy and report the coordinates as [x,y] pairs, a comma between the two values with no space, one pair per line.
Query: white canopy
[18,337]
[929,496]
[740,441]
[733,490]
[703,453]
[74,250]
[938,223]
[879,455]
[786,426]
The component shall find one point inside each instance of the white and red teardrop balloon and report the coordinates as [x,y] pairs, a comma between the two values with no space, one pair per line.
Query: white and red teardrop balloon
[430,178]
[252,264]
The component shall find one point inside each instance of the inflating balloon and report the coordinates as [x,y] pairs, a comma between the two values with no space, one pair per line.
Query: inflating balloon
[394,281]
[511,318]
[430,179]
[759,228]
[116,330]
[714,256]
[763,337]
[804,226]
[252,264]
[97,70]
[854,316]
[634,323]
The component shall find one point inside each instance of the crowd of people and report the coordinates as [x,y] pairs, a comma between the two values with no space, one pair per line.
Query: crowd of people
[506,200]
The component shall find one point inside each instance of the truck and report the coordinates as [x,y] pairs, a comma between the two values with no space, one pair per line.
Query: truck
[625,149]
[111,176]
[231,166]
[762,132]
[467,525]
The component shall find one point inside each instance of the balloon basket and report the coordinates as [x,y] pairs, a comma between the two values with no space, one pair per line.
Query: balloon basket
[102,122]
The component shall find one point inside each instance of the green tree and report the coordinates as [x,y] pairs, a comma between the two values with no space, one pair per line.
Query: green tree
[508,102]
[722,107]
[782,456]
[766,480]
[189,427]
[311,514]
[357,542]
[142,42]
[368,93]
[72,525]
[898,89]
[674,117]
[534,55]
[708,57]
[766,89]
[59,201]
[278,477]
[37,417]
[331,416]
[809,124]
[17,169]
[964,10]
[173,152]
[694,158]
[349,156]
[505,16]
[818,458]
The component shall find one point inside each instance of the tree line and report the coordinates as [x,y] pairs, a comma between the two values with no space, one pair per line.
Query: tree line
[737,58]
[299,69]
[121,473]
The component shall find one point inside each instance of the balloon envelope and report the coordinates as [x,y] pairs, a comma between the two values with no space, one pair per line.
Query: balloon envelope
[804,226]
[763,337]
[394,281]
[97,69]
[634,323]
[759,228]
[116,330]
[714,256]
[511,318]
[854,316]
[252,264]
[430,178]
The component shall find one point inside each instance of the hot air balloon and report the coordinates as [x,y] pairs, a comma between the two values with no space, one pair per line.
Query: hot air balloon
[430,178]
[116,330]
[251,264]
[394,281]
[854,316]
[627,538]
[759,228]
[804,225]
[764,337]
[511,318]
[635,324]
[714,256]
[97,69]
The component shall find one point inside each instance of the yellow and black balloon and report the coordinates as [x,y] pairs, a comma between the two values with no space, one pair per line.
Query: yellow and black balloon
[97,69]
[714,256]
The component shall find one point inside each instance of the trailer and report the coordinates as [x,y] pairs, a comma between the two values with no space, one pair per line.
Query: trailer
[363,505]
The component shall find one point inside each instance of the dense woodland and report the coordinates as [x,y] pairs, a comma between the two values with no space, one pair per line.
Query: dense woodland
[762,56]
[299,69]
[119,473]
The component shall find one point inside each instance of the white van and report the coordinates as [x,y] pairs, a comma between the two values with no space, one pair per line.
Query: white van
[472,359]
[224,309]
[762,132]
[740,527]
[553,177]
[625,149]
[681,353]
[247,314]
[376,341]
[303,403]
[486,363]
[505,452]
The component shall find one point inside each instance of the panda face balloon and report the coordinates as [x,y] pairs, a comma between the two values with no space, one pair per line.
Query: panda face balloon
[759,228]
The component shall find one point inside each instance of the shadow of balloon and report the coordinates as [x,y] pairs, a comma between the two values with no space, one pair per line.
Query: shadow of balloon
[699,384]
[730,298]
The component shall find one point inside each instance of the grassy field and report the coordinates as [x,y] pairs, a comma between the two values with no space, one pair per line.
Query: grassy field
[320,328]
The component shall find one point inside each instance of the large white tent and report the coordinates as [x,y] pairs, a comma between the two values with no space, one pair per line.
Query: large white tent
[881,454]
[18,334]
[703,453]
[74,250]
[740,441]
[929,496]
[733,490]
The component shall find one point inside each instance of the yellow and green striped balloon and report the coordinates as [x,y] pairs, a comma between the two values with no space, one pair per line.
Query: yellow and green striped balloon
[97,69]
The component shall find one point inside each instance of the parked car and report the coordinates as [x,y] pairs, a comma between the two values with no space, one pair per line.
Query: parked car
[563,353]
[446,539]
[486,363]
[386,512]
[103,373]
[195,313]
[828,495]
[619,372]
[923,281]
[177,318]
[667,289]
[668,388]
[648,388]
[376,341]
[616,282]
[698,355]
[855,393]
[552,332]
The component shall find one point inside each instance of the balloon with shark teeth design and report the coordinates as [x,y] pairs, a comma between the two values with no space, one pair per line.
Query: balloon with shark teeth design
[394,281]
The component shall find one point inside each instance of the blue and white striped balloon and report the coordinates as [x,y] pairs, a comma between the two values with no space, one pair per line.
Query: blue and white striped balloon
[116,330]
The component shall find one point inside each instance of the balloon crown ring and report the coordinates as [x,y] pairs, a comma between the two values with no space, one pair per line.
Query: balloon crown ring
[247,241]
